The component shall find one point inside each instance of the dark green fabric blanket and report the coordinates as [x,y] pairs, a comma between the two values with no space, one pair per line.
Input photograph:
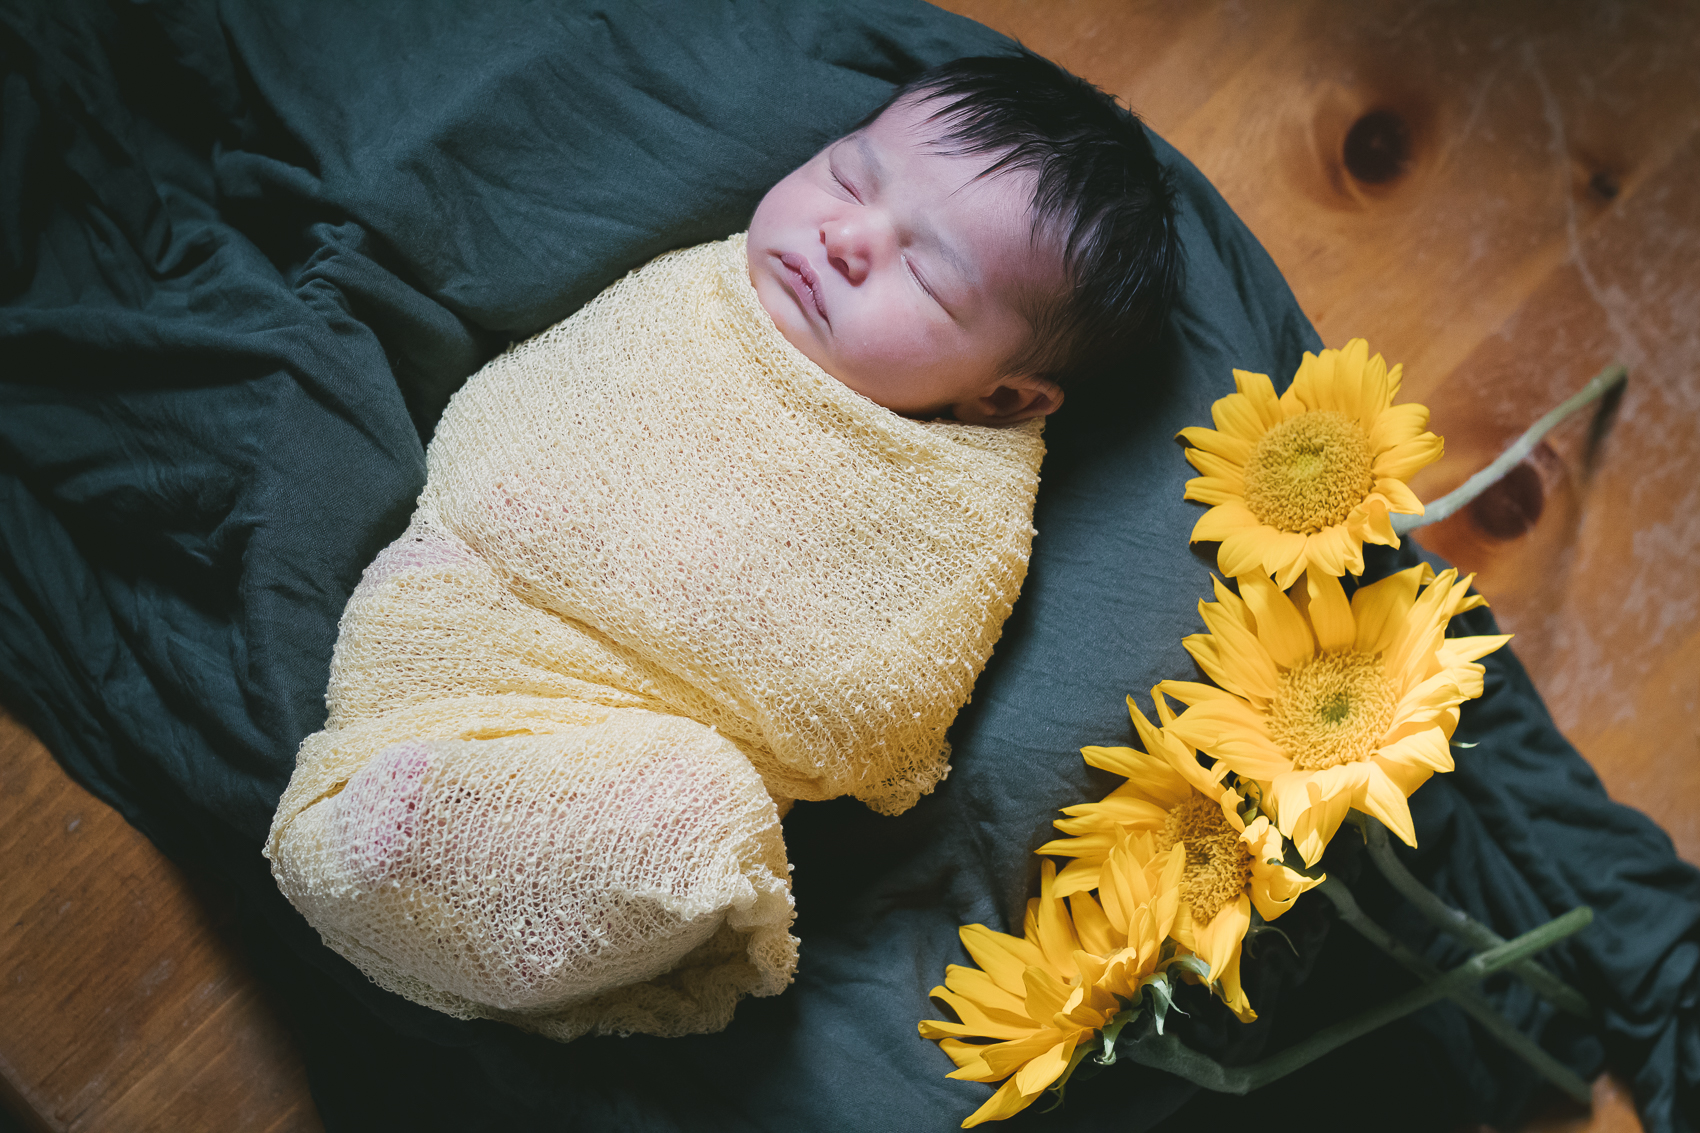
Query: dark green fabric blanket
[247,252]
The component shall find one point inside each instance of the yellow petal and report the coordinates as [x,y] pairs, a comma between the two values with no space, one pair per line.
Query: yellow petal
[1007,1102]
[1232,995]
[1232,732]
[999,955]
[1259,393]
[1230,605]
[1056,932]
[1428,749]
[1274,887]
[1280,628]
[1237,416]
[1307,382]
[976,1021]
[1372,395]
[1397,424]
[1240,652]
[1218,467]
[1123,761]
[1167,889]
[1462,599]
[1192,692]
[964,1054]
[1347,387]
[1046,1068]
[1380,608]
[1046,994]
[1400,498]
[1219,941]
[1384,799]
[1311,805]
[1077,876]
[976,985]
[1231,448]
[1474,648]
[1092,924]
[1404,460]
[1424,629]
[1330,612]
[1246,548]
[1378,528]
[1214,491]
[1180,773]
[1331,551]
[1222,521]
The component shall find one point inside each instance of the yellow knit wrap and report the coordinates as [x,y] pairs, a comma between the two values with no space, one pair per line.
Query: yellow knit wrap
[665,574]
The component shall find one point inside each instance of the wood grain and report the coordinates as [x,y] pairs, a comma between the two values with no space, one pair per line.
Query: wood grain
[125,1007]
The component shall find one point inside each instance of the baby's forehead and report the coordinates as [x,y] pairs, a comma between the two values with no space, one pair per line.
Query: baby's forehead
[923,122]
[921,126]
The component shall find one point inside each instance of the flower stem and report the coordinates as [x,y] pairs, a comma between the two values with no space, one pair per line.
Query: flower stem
[1167,1052]
[1460,497]
[1455,923]
[1473,1004]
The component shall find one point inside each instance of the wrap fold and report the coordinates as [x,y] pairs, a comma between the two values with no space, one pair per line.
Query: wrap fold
[666,576]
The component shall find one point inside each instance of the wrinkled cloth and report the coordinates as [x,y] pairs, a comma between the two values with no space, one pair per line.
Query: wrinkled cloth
[248,251]
[664,575]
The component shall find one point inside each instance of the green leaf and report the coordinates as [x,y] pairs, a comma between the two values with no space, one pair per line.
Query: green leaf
[1162,996]
[1112,1031]
[1193,964]
[1257,931]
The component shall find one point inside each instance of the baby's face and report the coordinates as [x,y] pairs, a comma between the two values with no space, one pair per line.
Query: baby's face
[900,273]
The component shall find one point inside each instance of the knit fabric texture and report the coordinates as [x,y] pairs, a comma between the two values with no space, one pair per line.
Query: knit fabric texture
[666,576]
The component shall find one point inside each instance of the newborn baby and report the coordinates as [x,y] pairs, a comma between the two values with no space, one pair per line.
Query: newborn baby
[742,531]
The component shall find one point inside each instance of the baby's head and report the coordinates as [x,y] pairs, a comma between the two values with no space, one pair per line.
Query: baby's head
[996,230]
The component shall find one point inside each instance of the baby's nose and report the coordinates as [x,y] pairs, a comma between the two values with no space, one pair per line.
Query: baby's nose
[852,247]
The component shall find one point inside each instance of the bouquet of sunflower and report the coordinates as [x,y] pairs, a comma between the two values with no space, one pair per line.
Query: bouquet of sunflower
[1330,702]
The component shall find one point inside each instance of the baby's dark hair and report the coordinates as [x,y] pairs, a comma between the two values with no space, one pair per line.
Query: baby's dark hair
[1100,191]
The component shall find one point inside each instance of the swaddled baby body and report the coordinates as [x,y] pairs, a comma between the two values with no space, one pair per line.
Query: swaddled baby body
[743,531]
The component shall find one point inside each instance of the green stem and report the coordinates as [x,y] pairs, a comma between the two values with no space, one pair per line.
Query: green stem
[1166,1052]
[1461,496]
[1473,1004]
[1455,923]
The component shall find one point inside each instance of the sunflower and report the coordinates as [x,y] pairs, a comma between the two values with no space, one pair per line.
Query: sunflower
[1042,996]
[1333,704]
[1308,478]
[1230,865]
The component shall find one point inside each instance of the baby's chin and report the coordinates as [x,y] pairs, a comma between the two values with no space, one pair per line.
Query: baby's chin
[781,307]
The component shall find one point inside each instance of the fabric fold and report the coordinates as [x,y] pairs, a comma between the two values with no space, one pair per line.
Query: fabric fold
[659,544]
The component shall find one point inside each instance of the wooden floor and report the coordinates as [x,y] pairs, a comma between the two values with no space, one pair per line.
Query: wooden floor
[1502,197]
[124,1007]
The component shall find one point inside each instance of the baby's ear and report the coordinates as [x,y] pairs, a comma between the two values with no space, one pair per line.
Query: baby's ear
[1014,398]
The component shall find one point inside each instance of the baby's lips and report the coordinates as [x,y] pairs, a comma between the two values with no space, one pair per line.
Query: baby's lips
[809,294]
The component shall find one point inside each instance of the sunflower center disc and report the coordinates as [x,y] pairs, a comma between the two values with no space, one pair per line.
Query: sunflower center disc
[1218,866]
[1308,472]
[1332,709]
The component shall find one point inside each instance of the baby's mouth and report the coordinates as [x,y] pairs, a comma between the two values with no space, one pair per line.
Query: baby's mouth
[803,280]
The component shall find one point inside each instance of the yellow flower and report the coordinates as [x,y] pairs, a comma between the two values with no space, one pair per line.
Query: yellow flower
[1042,995]
[1307,478]
[1333,705]
[1230,865]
